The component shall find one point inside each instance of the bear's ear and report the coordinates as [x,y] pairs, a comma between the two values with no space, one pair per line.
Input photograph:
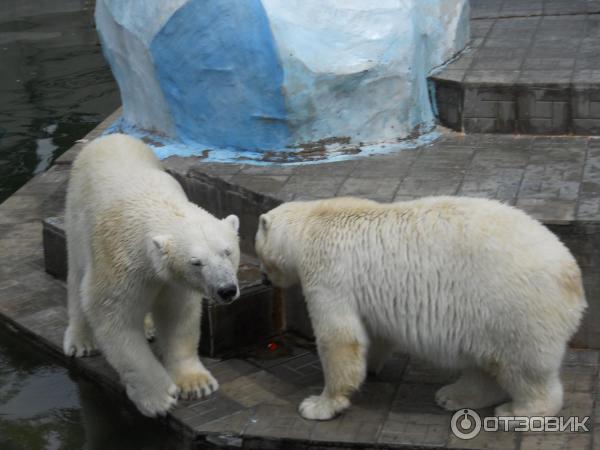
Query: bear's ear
[161,243]
[233,221]
[264,222]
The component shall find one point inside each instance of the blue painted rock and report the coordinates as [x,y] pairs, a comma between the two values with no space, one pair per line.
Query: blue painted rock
[279,74]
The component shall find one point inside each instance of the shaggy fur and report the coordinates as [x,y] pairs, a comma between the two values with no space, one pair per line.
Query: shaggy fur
[135,245]
[468,284]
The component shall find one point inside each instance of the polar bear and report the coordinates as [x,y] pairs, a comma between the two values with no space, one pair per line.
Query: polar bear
[468,284]
[136,244]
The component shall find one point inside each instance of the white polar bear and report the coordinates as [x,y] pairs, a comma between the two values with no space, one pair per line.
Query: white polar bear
[468,284]
[136,244]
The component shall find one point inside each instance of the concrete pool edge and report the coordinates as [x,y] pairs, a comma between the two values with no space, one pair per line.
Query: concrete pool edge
[256,407]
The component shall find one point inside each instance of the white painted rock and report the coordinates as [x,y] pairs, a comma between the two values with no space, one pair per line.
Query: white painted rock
[279,74]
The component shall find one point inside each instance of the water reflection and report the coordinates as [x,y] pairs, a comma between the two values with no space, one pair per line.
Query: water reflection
[43,407]
[54,84]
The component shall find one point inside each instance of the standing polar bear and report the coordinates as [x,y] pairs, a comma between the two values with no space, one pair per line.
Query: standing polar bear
[468,284]
[136,244]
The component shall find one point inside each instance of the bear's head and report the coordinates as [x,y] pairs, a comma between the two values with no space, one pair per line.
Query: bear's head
[203,253]
[274,246]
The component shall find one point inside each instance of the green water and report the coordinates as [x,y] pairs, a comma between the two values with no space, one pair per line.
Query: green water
[54,88]
[54,84]
[43,407]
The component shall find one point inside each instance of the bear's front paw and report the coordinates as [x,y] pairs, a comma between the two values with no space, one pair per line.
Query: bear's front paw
[79,342]
[453,398]
[153,403]
[320,407]
[197,384]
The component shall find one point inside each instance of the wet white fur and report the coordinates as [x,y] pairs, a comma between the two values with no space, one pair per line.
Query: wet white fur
[132,238]
[467,284]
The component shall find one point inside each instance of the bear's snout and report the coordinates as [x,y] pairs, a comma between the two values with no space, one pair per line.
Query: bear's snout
[228,293]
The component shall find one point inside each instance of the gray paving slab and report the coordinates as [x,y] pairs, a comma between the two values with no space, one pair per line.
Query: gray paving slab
[531,67]
[257,403]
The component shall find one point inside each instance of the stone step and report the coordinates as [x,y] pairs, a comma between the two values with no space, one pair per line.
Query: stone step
[530,69]
[225,329]
[556,180]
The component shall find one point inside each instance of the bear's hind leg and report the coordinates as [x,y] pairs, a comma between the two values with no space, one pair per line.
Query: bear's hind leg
[474,389]
[177,312]
[342,345]
[532,395]
[79,339]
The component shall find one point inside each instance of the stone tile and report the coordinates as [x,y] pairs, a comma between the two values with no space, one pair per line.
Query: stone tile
[213,169]
[522,61]
[271,169]
[536,77]
[487,441]
[416,429]
[575,357]
[260,387]
[275,421]
[589,209]
[344,430]
[232,425]
[302,371]
[421,185]
[48,325]
[548,210]
[549,64]
[264,184]
[231,369]
[305,187]
[500,184]
[392,371]
[288,355]
[199,412]
[380,189]
[21,208]
[396,166]
[425,373]
[578,404]
[452,74]
[492,76]
[556,441]
[579,378]
[338,169]
[416,398]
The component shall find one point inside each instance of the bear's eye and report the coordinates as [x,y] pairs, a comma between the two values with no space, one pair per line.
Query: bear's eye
[227,252]
[196,262]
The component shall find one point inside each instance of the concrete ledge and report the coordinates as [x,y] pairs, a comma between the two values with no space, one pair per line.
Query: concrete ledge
[256,406]
[532,68]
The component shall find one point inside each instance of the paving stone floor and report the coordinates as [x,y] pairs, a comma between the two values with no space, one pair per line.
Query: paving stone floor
[256,405]
[556,179]
[520,41]
[531,67]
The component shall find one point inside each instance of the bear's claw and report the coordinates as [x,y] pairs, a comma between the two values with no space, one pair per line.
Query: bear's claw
[157,404]
[196,385]
[79,343]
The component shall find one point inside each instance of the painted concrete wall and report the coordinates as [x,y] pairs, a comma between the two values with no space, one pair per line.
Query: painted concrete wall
[263,75]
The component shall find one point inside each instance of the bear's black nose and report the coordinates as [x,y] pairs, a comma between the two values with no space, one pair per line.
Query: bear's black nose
[228,292]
